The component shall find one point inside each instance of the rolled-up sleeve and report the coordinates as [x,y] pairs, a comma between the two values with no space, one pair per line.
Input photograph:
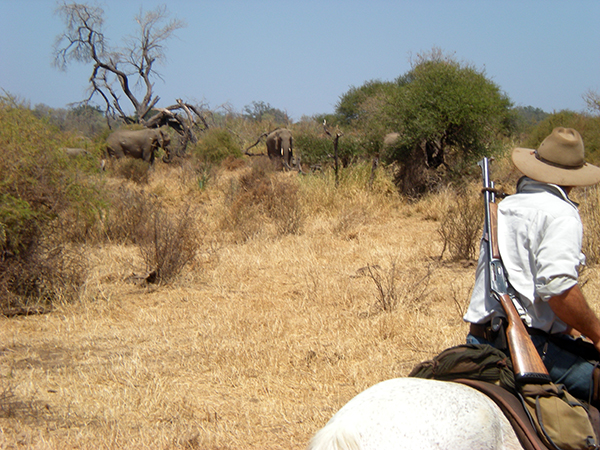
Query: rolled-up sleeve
[558,257]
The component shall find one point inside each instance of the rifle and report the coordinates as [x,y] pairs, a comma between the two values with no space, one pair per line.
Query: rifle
[527,363]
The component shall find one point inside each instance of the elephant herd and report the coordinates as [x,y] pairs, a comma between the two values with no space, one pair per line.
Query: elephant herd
[142,144]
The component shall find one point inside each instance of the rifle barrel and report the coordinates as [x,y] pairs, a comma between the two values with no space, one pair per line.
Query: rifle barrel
[527,363]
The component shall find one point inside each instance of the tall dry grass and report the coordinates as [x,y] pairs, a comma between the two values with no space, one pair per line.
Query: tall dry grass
[590,215]
[258,341]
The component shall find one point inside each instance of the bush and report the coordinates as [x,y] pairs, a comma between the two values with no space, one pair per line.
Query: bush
[132,169]
[396,287]
[129,210]
[46,201]
[282,205]
[167,242]
[312,148]
[317,149]
[262,199]
[49,272]
[215,145]
[460,228]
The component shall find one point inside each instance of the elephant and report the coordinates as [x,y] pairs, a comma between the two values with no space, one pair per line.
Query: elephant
[279,146]
[139,144]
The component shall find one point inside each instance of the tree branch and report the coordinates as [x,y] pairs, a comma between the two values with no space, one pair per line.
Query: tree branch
[83,41]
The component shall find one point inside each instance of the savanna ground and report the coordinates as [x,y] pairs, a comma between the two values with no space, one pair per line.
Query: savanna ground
[276,322]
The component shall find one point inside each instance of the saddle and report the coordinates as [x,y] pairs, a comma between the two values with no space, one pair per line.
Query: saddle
[513,409]
[489,370]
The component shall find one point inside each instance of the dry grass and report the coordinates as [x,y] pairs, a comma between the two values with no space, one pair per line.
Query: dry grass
[590,215]
[255,345]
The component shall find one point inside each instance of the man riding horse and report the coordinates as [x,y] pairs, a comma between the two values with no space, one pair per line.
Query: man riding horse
[540,238]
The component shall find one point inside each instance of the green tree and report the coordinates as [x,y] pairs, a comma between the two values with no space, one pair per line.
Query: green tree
[85,119]
[527,117]
[447,113]
[259,111]
[356,105]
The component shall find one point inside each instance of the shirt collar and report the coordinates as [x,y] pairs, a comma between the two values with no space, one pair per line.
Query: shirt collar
[528,186]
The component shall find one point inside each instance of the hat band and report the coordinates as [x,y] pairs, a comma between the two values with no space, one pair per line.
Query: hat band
[555,164]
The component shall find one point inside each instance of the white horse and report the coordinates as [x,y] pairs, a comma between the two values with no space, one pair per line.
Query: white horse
[417,413]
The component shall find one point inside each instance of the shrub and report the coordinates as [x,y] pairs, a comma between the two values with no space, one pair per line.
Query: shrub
[232,163]
[43,199]
[589,127]
[48,272]
[567,119]
[167,242]
[460,228]
[396,287]
[312,148]
[128,211]
[262,198]
[132,169]
[215,145]
[282,205]
[385,283]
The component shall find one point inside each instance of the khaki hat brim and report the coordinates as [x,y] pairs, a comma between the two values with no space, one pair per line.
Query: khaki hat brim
[529,165]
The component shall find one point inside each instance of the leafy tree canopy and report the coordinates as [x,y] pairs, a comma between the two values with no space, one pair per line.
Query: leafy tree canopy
[526,118]
[85,119]
[450,104]
[353,105]
[446,113]
[259,111]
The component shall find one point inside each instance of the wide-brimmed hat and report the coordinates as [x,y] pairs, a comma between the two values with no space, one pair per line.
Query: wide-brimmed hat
[560,159]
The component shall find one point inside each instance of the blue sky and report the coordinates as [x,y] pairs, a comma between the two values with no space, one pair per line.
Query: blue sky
[301,55]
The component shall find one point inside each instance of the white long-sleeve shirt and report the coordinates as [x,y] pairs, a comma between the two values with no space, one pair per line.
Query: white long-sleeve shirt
[539,236]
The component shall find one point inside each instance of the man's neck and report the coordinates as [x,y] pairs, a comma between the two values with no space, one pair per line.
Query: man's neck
[528,185]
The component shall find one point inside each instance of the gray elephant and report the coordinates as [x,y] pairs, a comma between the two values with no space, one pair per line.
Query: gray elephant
[279,146]
[141,144]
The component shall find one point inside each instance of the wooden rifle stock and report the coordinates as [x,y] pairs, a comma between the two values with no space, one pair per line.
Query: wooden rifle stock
[527,363]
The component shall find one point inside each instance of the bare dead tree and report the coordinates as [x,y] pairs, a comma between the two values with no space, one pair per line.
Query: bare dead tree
[117,72]
[186,124]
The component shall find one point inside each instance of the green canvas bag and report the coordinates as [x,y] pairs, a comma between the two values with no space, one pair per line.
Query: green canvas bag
[561,420]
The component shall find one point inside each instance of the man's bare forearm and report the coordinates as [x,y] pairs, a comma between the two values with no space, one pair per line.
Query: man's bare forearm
[572,308]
